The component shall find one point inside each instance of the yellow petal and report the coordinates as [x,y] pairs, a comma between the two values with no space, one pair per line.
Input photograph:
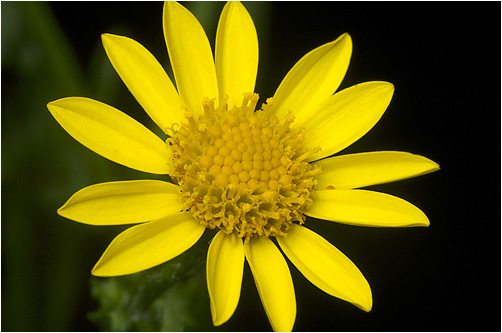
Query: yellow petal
[191,56]
[326,267]
[123,202]
[236,53]
[365,208]
[225,266]
[273,281]
[112,134]
[145,78]
[365,169]
[345,117]
[313,78]
[148,245]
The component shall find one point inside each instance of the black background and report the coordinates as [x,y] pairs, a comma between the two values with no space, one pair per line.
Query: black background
[444,60]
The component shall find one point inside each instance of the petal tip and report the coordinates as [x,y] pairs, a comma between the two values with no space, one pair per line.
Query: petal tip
[230,4]
[383,89]
[434,166]
[53,104]
[49,106]
[97,270]
[216,316]
[365,301]
[366,307]
[344,39]
[60,210]
[423,222]
[107,38]
[387,85]
[217,321]
[346,36]
[171,5]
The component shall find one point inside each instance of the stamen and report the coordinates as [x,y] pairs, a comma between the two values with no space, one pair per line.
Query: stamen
[242,171]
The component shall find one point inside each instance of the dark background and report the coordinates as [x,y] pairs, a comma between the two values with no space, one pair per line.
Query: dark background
[443,58]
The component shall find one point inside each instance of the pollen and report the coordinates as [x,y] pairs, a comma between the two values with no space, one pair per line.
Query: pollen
[242,171]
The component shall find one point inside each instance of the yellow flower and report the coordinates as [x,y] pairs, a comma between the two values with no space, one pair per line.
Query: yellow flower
[250,175]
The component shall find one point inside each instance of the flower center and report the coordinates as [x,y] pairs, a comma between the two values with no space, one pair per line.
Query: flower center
[242,171]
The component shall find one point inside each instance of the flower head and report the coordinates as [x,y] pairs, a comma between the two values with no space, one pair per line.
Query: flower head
[250,175]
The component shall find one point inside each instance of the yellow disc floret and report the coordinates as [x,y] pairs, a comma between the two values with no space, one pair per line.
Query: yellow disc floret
[242,171]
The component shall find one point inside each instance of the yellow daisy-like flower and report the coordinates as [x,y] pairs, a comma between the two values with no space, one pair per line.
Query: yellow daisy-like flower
[250,175]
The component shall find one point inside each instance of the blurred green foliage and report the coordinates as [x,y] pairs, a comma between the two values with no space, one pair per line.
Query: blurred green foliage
[40,281]
[44,259]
